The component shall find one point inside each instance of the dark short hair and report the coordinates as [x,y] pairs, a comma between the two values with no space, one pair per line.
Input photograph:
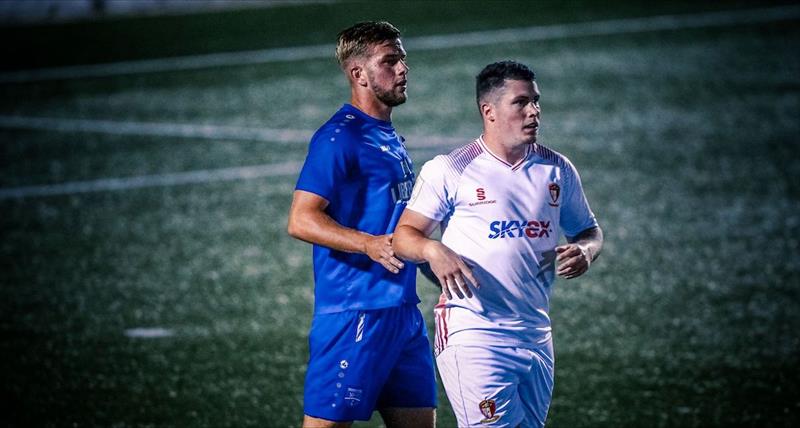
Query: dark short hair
[494,75]
[356,40]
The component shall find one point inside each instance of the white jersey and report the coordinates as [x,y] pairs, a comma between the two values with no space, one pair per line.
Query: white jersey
[504,221]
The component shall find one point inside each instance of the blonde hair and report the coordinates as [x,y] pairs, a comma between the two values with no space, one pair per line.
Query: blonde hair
[356,40]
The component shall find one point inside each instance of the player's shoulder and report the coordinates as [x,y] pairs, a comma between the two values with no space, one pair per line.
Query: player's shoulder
[459,159]
[343,127]
[552,157]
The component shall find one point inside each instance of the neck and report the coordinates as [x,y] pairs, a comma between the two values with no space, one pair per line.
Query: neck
[509,152]
[371,106]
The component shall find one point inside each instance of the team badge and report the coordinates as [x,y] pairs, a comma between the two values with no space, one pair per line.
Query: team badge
[555,192]
[488,408]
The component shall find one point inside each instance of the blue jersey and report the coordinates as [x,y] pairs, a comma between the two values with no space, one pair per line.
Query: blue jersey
[360,166]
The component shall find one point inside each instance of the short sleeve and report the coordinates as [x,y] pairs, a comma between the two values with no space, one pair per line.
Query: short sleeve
[433,191]
[329,162]
[576,216]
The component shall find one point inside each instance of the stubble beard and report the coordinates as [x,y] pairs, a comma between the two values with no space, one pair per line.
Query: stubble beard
[391,98]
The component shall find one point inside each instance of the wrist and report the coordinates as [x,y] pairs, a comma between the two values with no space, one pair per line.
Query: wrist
[428,250]
[587,253]
[364,243]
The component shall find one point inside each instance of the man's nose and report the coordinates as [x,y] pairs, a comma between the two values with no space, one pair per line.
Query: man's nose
[403,67]
[534,109]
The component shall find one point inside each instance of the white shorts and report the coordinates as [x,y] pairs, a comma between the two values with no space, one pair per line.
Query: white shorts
[498,386]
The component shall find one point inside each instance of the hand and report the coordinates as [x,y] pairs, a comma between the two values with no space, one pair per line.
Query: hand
[450,270]
[379,249]
[573,260]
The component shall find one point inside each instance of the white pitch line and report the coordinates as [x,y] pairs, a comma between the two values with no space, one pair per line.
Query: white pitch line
[446,41]
[149,332]
[180,130]
[190,130]
[608,27]
[137,182]
[156,129]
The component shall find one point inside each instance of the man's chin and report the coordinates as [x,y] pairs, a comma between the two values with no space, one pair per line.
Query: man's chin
[394,101]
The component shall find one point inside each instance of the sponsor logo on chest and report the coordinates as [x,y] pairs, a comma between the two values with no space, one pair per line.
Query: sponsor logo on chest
[531,229]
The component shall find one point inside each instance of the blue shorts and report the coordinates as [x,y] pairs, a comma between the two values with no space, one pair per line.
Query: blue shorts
[362,361]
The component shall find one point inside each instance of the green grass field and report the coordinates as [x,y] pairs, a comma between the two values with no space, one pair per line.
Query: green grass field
[687,142]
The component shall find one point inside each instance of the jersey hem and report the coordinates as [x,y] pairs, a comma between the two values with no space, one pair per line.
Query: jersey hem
[366,307]
[314,191]
[497,340]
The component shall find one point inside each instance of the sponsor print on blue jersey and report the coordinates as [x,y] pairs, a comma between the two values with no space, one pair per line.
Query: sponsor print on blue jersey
[520,229]
[402,190]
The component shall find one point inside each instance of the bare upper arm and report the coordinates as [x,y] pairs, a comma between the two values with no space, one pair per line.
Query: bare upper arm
[417,221]
[593,232]
[302,201]
[304,206]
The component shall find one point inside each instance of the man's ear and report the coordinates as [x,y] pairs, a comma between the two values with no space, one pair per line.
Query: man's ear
[487,111]
[357,74]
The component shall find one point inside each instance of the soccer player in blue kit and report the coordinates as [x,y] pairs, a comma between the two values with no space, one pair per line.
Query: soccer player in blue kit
[368,344]
[502,203]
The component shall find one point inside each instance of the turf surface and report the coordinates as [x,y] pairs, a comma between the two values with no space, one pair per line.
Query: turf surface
[687,143]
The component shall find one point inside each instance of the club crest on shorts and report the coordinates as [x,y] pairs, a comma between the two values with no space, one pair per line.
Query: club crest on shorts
[488,407]
[555,192]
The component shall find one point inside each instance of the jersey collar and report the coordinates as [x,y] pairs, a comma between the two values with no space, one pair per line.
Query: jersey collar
[528,151]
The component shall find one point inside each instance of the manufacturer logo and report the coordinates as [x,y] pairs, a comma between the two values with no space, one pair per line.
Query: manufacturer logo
[488,407]
[555,192]
[360,327]
[480,194]
[520,228]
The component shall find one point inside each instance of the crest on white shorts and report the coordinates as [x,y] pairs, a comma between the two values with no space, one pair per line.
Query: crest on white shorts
[488,407]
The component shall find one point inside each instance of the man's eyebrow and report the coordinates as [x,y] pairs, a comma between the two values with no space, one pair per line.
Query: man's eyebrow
[393,55]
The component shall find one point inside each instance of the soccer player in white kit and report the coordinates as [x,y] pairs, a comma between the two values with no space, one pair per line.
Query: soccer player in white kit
[502,202]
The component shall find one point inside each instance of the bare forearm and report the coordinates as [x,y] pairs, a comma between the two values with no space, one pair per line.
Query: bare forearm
[410,243]
[590,240]
[319,228]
